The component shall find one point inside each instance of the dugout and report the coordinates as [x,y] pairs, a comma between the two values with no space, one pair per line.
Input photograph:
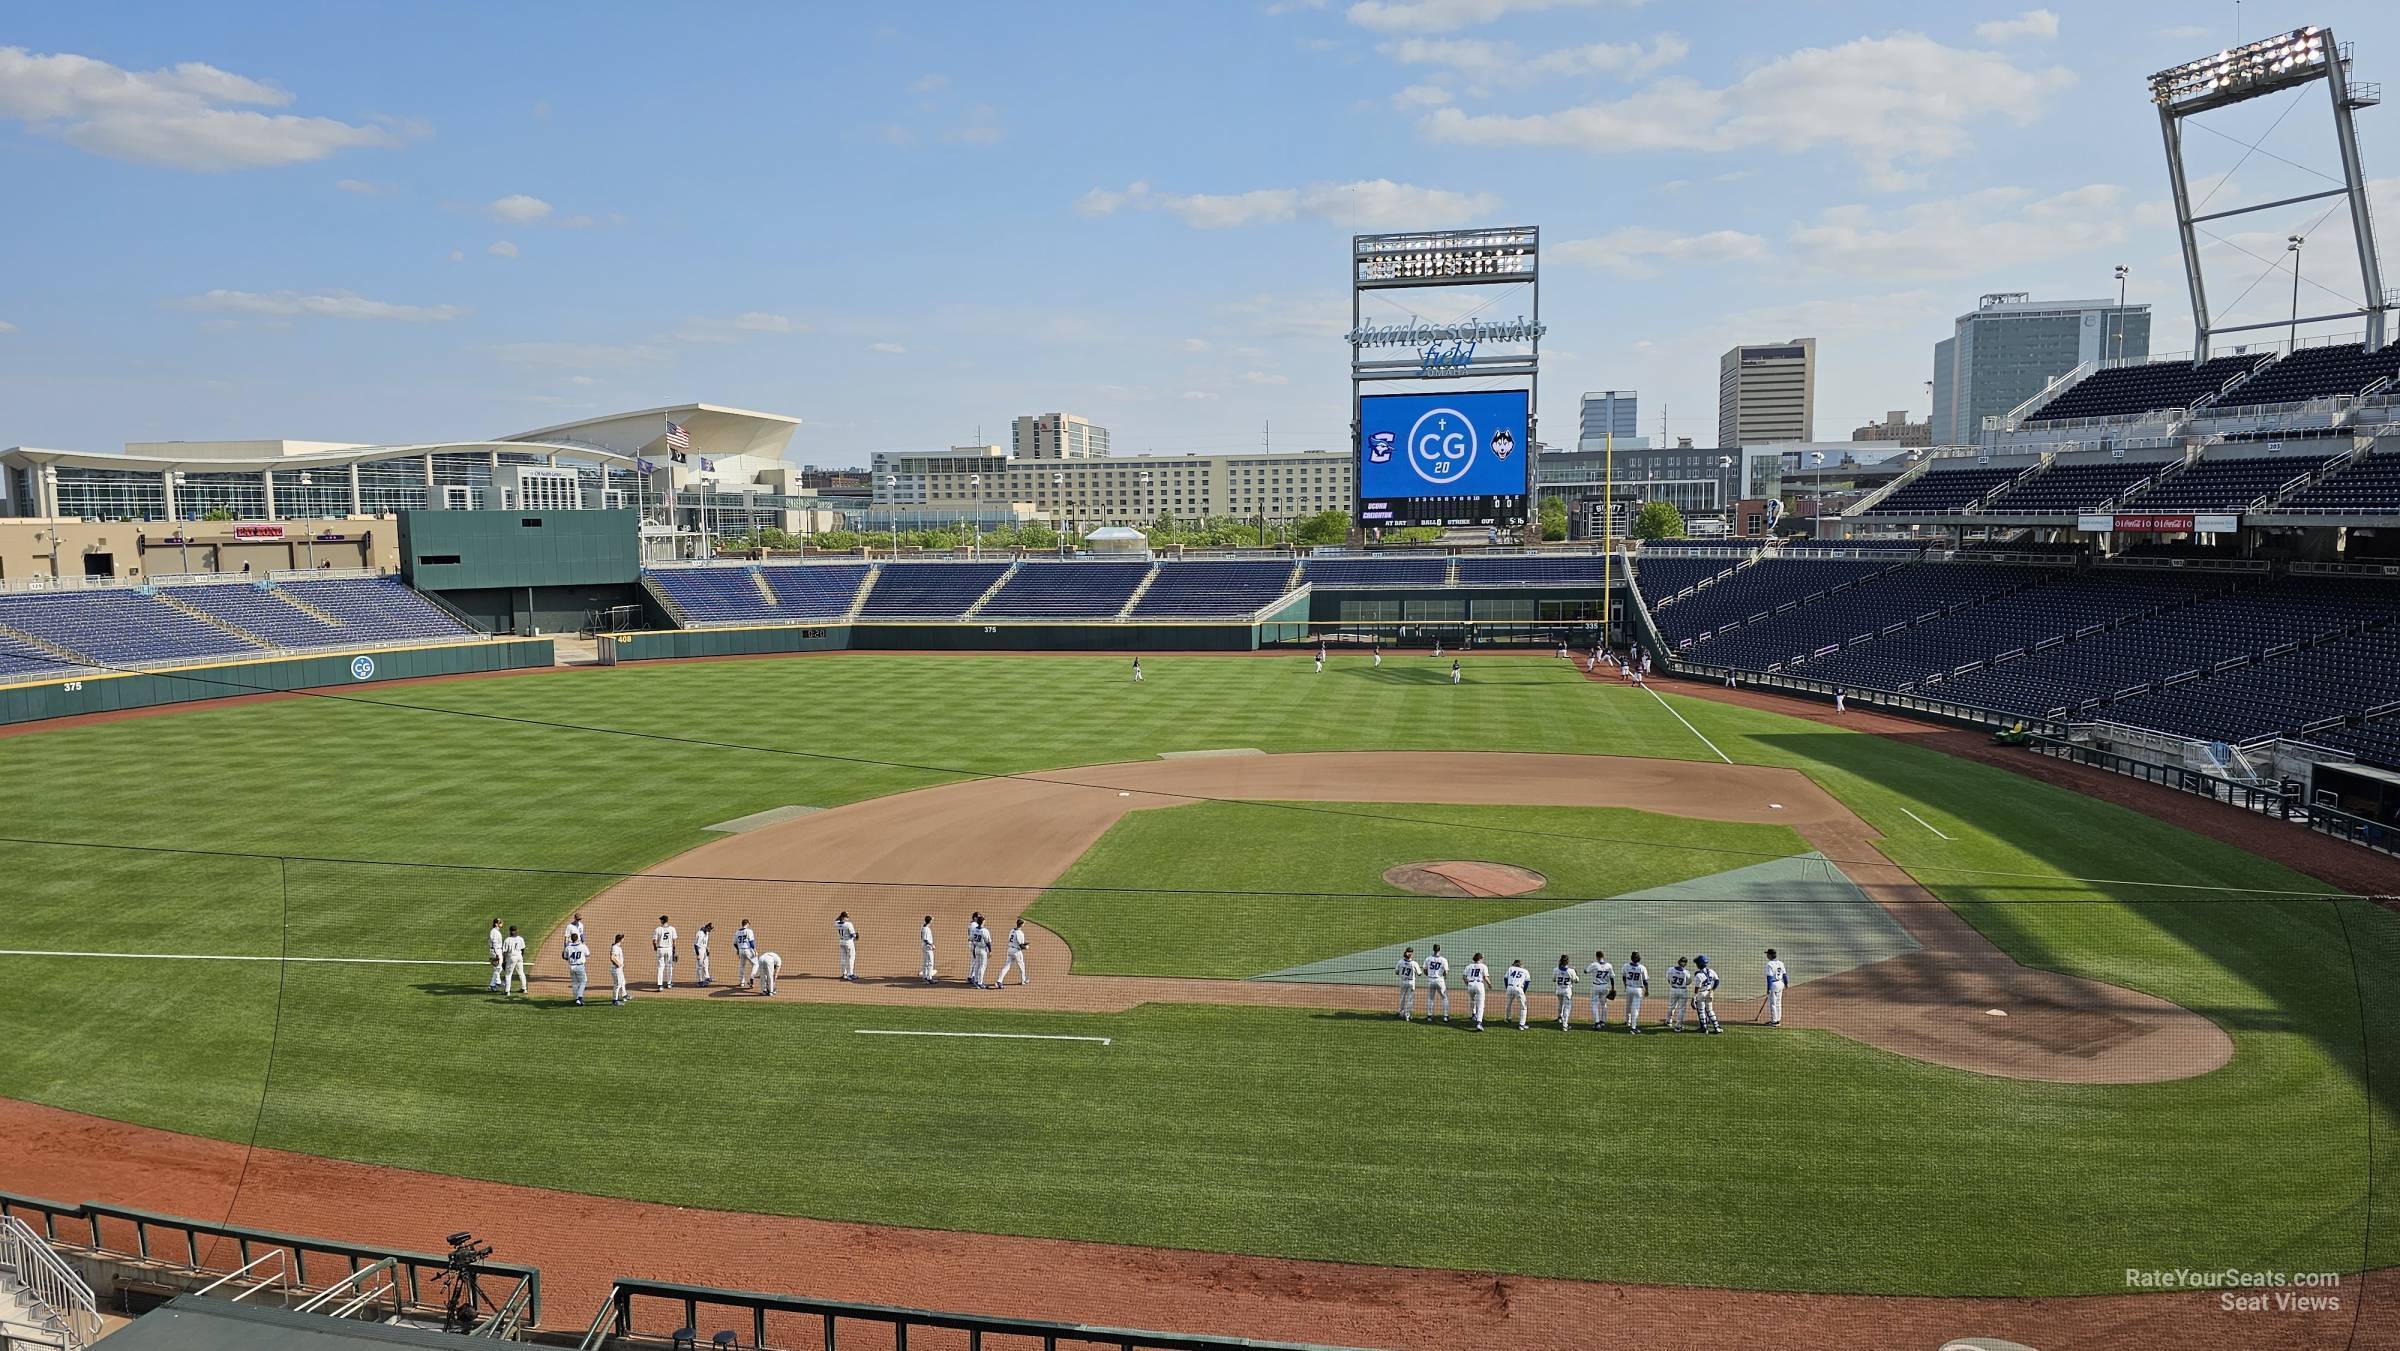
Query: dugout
[524,572]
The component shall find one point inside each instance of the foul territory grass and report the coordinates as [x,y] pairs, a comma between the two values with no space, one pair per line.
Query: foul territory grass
[1820,1163]
[1291,893]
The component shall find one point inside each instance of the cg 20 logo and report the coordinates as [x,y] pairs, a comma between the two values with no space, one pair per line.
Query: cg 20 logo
[1443,444]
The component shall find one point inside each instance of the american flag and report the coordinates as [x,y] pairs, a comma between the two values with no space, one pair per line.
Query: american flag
[677,437]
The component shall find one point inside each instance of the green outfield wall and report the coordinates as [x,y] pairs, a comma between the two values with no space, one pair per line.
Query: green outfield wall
[110,692]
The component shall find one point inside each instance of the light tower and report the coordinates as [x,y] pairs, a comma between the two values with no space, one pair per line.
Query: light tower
[2237,75]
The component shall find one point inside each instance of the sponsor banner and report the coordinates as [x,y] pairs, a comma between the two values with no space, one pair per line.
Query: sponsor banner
[2221,523]
[258,531]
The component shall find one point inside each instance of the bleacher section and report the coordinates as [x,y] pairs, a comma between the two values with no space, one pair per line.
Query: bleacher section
[2127,390]
[1377,571]
[1758,589]
[2316,373]
[1229,589]
[1901,597]
[2367,486]
[1531,570]
[814,590]
[704,596]
[1943,491]
[2065,604]
[1065,591]
[2375,742]
[2225,485]
[2065,489]
[261,612]
[378,609]
[2286,693]
[1664,577]
[136,629]
[929,590]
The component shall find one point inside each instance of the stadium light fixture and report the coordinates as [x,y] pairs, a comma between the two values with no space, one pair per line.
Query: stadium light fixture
[2244,72]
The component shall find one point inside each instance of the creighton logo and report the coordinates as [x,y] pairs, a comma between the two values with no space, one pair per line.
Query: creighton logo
[1441,446]
[1379,447]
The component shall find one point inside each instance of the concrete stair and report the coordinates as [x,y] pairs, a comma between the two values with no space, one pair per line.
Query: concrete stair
[866,588]
[1139,592]
[25,1322]
[206,618]
[988,592]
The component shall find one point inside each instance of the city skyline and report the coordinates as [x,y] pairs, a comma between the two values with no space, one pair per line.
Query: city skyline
[282,223]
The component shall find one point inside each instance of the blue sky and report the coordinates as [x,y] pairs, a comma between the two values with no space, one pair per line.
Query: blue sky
[906,222]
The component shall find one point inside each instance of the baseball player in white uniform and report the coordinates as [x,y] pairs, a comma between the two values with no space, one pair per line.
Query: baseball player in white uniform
[1517,981]
[1137,670]
[768,964]
[513,952]
[575,928]
[1679,995]
[1437,984]
[1017,945]
[616,971]
[1604,987]
[745,951]
[1637,984]
[1704,994]
[578,955]
[845,938]
[1563,980]
[1454,673]
[662,942]
[1379,658]
[925,936]
[499,946]
[700,951]
[1408,968]
[1479,979]
[979,950]
[1777,979]
[1320,661]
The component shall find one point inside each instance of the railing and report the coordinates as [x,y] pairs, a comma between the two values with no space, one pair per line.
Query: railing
[879,1325]
[2266,799]
[325,574]
[14,1336]
[173,1242]
[50,1282]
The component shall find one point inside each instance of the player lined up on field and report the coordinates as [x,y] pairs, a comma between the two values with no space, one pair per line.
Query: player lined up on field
[1691,990]
[759,969]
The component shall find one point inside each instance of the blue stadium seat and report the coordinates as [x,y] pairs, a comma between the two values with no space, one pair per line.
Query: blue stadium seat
[1206,587]
[1065,590]
[1377,571]
[929,590]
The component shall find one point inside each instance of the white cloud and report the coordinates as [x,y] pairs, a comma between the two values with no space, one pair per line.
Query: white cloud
[1263,378]
[581,380]
[316,305]
[1444,16]
[1903,99]
[1484,59]
[363,187]
[887,348]
[760,321]
[1367,203]
[458,255]
[981,127]
[699,329]
[519,209]
[1196,395]
[189,116]
[1967,236]
[501,248]
[577,223]
[581,354]
[7,327]
[1195,344]
[927,83]
[2185,32]
[2039,24]
[1633,250]
[1421,96]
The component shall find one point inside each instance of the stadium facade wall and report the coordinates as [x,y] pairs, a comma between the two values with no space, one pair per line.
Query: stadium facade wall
[495,550]
[534,610]
[110,693]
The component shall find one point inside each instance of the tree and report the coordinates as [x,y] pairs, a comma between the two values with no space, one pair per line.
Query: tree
[217,514]
[1657,520]
[837,541]
[1331,526]
[1553,518]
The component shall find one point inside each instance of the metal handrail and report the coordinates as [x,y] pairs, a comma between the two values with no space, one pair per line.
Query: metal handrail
[51,1283]
[244,1269]
[354,1281]
[14,1335]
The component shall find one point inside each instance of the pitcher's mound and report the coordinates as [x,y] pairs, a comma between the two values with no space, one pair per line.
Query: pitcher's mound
[1465,878]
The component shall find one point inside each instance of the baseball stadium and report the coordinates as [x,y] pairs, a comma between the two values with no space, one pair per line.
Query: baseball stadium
[458,891]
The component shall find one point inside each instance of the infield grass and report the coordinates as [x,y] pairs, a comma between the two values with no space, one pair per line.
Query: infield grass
[1820,1163]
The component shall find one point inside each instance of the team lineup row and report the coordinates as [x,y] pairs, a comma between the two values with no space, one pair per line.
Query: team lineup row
[1691,989]
[759,969]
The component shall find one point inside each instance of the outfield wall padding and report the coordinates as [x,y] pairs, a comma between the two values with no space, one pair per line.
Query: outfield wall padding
[111,692]
[952,637]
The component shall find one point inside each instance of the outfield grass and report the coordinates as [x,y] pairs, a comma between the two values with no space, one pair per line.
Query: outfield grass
[1824,1164]
[1279,909]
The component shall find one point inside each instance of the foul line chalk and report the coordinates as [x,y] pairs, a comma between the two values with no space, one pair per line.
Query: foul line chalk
[996,1036]
[214,957]
[1687,725]
[1925,823]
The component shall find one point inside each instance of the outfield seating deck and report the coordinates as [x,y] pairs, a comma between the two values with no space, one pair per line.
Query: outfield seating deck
[929,590]
[1531,570]
[260,612]
[378,610]
[1062,590]
[2316,373]
[1761,588]
[1866,609]
[2224,485]
[2066,489]
[2368,486]
[1942,492]
[2063,604]
[707,596]
[1230,589]
[813,590]
[2125,391]
[119,628]
[1377,571]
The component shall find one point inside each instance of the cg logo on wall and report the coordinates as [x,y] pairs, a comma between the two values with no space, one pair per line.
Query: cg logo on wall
[362,668]
[1441,446]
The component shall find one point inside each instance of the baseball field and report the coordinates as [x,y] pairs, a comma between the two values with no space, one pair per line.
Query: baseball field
[2036,1040]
